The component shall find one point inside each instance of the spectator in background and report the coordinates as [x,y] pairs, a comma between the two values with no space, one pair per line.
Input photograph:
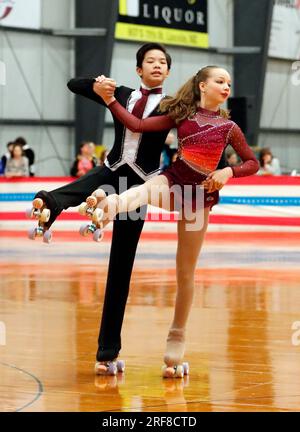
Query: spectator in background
[85,160]
[269,165]
[6,156]
[17,165]
[232,158]
[29,153]
[93,149]
[103,156]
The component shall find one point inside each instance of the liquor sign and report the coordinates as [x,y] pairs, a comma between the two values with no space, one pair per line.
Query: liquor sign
[177,22]
[285,32]
[20,13]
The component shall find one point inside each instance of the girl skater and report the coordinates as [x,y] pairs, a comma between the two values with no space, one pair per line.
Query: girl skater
[204,131]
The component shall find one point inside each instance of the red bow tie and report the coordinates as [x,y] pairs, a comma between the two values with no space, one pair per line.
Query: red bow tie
[139,107]
[146,92]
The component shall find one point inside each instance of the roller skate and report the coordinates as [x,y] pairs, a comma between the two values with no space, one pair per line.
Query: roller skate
[39,211]
[110,367]
[175,371]
[89,208]
[174,367]
[45,210]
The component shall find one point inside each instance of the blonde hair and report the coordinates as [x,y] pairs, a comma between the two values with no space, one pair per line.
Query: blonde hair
[186,101]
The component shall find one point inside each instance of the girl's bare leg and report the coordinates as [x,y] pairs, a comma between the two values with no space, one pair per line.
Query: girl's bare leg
[154,191]
[188,249]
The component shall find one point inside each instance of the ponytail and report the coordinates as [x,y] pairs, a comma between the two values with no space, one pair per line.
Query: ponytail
[186,101]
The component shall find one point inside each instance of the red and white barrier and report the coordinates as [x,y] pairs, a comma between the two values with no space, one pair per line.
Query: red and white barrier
[273,206]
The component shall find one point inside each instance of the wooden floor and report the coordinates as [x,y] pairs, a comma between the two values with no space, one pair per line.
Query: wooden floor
[240,346]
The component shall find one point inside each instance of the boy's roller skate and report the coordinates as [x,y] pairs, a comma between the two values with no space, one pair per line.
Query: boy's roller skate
[109,367]
[42,213]
[174,367]
[89,208]
[45,209]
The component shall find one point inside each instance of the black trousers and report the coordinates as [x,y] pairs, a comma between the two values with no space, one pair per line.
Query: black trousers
[126,234]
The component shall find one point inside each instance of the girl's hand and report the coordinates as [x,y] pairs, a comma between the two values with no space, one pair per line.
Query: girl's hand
[100,78]
[217,179]
[105,88]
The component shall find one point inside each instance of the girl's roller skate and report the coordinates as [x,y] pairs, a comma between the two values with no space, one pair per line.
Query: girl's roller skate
[175,371]
[89,208]
[174,367]
[109,367]
[42,213]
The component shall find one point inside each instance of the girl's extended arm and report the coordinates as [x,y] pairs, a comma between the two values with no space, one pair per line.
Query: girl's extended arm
[150,124]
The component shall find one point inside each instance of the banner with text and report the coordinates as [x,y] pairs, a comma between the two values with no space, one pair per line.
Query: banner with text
[20,13]
[177,22]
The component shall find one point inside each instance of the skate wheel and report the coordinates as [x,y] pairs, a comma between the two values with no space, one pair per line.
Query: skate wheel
[32,234]
[45,215]
[121,366]
[168,372]
[112,368]
[179,372]
[39,231]
[29,213]
[47,237]
[91,201]
[186,368]
[109,368]
[176,371]
[98,235]
[98,215]
[84,230]
[82,209]
[100,369]
[37,203]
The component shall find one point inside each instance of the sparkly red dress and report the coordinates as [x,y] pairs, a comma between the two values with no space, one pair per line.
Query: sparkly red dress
[201,142]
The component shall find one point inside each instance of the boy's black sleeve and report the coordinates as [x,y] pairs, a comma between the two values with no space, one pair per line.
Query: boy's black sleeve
[84,87]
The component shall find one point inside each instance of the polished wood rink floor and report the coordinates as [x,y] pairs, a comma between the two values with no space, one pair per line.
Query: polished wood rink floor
[242,348]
